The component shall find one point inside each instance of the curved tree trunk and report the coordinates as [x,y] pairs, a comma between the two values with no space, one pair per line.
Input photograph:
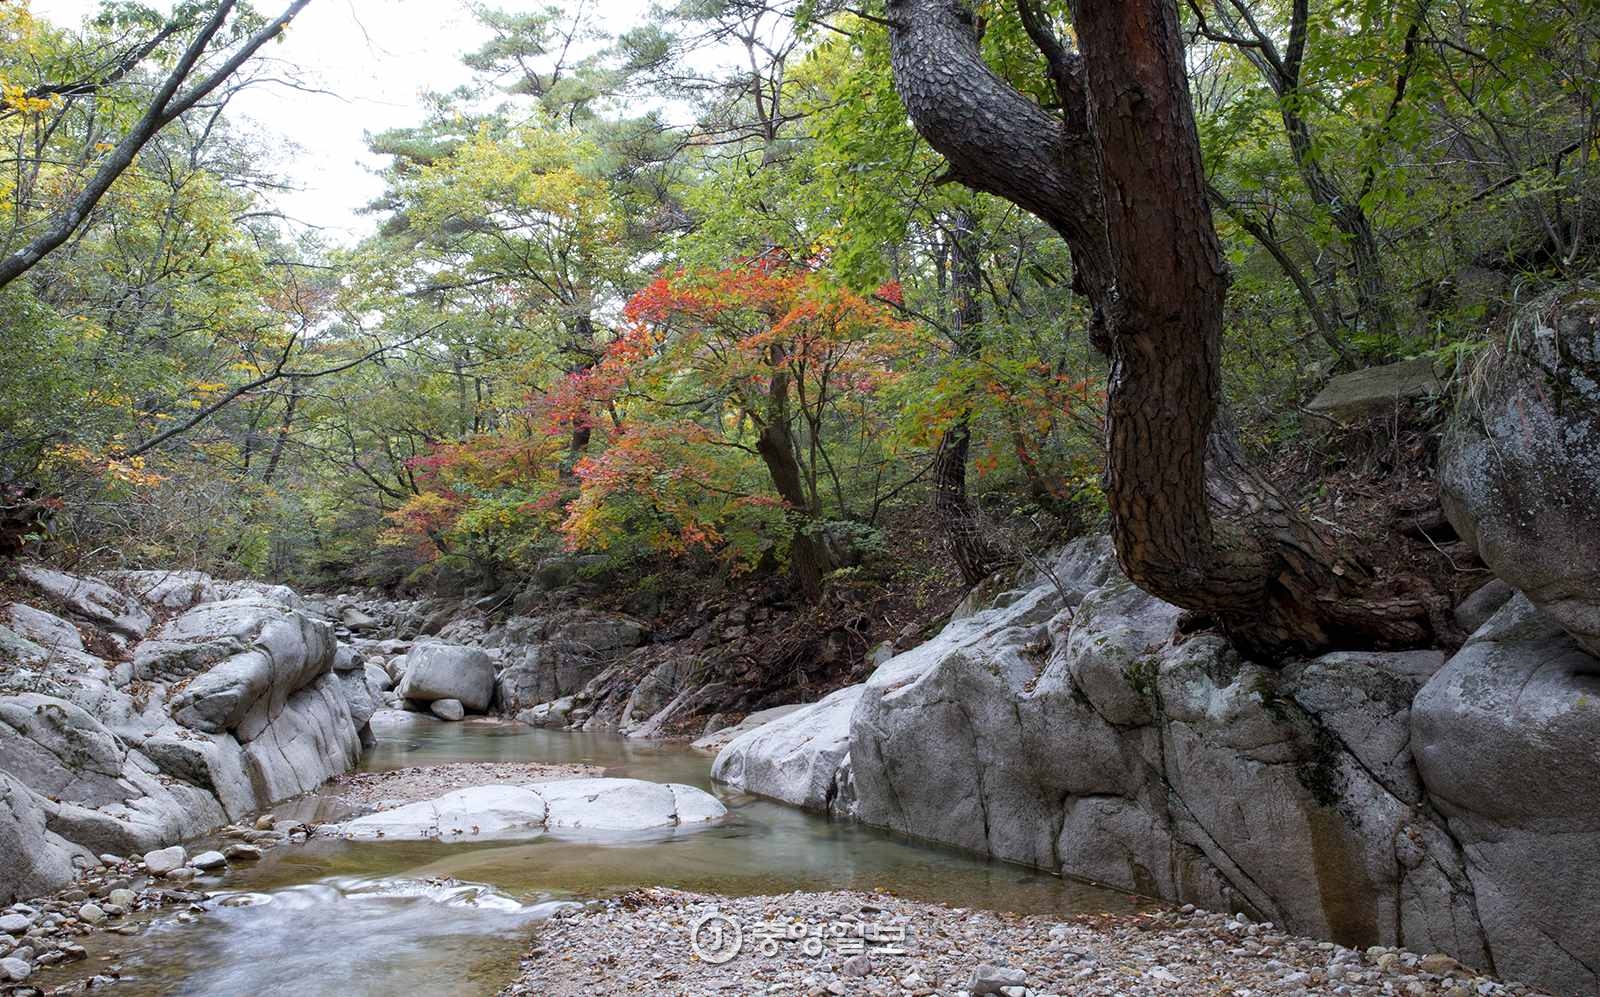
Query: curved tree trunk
[1119,176]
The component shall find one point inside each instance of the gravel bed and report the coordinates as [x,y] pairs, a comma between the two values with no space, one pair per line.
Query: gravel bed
[639,943]
[372,791]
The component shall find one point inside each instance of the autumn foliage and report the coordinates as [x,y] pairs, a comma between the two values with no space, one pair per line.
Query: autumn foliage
[703,362]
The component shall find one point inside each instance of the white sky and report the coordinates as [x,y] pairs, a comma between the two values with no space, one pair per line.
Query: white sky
[375,58]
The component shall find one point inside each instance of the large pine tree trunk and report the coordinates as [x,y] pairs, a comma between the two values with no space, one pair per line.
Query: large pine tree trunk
[1118,174]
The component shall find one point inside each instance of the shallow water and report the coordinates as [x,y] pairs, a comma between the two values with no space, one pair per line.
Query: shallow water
[343,918]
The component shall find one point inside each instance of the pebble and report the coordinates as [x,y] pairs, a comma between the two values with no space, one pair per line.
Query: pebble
[1440,964]
[447,709]
[857,965]
[987,979]
[123,898]
[15,970]
[638,944]
[209,861]
[91,913]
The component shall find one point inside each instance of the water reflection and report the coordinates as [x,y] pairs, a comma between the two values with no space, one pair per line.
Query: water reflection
[339,937]
[426,917]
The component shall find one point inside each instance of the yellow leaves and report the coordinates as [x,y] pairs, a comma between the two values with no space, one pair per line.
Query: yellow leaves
[70,453]
[108,399]
[15,97]
[20,31]
[125,470]
[132,472]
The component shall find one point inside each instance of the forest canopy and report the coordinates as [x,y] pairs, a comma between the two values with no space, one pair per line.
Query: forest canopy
[742,319]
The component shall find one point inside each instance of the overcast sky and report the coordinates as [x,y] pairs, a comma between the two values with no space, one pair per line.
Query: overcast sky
[375,58]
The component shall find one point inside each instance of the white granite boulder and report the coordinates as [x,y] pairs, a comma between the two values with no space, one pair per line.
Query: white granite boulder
[1507,740]
[794,758]
[448,671]
[89,598]
[508,811]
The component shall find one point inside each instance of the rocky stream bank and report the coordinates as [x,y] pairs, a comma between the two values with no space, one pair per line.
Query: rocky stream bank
[1348,808]
[1444,803]
[841,943]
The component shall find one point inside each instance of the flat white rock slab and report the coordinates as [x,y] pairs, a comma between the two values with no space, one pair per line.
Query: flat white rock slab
[508,811]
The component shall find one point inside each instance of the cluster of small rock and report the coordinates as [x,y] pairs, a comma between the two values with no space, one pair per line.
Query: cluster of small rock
[250,839]
[639,943]
[46,932]
[41,933]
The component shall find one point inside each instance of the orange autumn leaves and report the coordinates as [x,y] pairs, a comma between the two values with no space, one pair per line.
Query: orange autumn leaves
[671,408]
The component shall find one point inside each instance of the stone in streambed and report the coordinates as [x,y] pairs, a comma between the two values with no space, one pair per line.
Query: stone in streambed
[164,860]
[91,913]
[857,965]
[15,970]
[988,979]
[209,861]
[718,738]
[447,709]
[242,853]
[792,758]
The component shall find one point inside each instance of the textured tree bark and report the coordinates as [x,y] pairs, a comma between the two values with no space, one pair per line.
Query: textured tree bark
[808,557]
[958,520]
[583,348]
[1120,179]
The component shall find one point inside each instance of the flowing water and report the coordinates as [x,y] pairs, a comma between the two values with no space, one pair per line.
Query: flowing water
[343,918]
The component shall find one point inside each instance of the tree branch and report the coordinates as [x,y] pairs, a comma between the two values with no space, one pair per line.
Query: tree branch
[276,374]
[164,107]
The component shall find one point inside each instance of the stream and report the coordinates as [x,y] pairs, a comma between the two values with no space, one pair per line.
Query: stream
[340,918]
